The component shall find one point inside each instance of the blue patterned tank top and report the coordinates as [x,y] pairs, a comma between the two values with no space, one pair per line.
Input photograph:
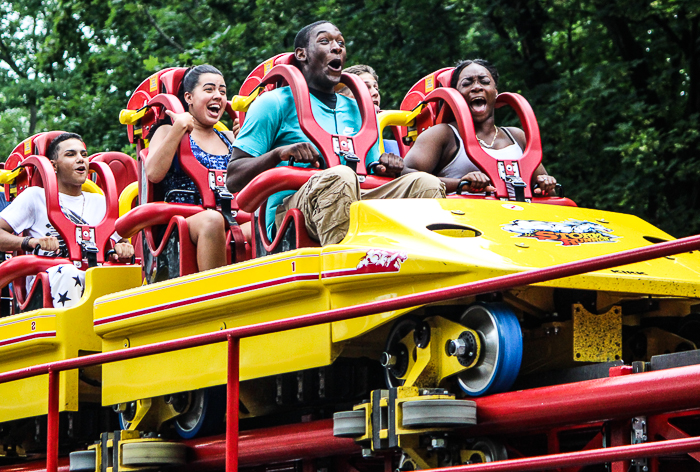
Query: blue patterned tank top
[176,179]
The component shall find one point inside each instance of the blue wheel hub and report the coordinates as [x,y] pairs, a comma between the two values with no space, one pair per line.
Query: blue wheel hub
[501,349]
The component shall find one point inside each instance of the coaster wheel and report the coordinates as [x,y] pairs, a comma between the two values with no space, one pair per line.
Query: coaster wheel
[349,424]
[127,416]
[82,461]
[491,449]
[153,453]
[397,351]
[501,352]
[438,413]
[205,414]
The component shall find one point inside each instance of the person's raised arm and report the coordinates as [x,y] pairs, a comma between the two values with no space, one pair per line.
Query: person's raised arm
[243,167]
[164,144]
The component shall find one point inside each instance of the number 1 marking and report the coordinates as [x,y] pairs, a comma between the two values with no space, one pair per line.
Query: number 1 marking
[294,266]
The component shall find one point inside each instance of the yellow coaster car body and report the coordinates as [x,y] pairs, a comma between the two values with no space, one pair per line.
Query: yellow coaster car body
[54,334]
[393,248]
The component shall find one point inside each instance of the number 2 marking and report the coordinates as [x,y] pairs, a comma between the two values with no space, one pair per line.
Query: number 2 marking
[33,325]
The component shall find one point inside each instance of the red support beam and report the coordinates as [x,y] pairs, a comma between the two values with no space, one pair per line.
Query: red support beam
[258,447]
[52,423]
[624,397]
[271,445]
[232,400]
[661,427]
[579,458]
[619,435]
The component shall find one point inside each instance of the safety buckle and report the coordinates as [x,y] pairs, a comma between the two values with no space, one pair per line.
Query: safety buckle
[217,179]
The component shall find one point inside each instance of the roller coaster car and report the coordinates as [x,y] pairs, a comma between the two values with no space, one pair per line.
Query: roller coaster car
[280,71]
[411,366]
[432,101]
[167,248]
[38,333]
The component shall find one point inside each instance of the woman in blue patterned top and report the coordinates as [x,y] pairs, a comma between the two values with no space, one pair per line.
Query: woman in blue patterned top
[203,94]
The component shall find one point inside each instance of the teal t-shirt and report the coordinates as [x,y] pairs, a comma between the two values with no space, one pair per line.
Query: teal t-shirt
[272,122]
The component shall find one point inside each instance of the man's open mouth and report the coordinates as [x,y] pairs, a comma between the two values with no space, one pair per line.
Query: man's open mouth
[336,65]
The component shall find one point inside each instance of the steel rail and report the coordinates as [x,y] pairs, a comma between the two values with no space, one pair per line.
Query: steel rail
[626,396]
[278,444]
[582,458]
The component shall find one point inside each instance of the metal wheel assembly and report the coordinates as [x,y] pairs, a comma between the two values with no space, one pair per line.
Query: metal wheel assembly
[349,424]
[146,453]
[206,412]
[395,358]
[127,416]
[492,451]
[438,413]
[82,461]
[502,349]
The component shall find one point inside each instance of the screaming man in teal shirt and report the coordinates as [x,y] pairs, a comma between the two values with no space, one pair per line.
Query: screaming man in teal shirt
[272,122]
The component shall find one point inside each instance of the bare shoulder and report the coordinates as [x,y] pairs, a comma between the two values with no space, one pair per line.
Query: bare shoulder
[160,134]
[518,135]
[438,134]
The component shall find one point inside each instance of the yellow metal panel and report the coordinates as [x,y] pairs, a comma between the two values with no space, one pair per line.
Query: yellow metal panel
[256,287]
[205,366]
[597,338]
[24,398]
[60,334]
[405,225]
[256,291]
[27,332]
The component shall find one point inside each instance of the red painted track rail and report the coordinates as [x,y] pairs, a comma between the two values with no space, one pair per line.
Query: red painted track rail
[233,336]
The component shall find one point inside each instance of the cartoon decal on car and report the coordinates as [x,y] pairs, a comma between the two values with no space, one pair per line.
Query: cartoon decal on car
[568,233]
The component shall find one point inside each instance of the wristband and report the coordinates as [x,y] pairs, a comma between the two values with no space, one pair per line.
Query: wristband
[25,244]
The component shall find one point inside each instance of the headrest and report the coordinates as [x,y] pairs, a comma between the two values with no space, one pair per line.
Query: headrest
[445,77]
[171,81]
[258,74]
[37,144]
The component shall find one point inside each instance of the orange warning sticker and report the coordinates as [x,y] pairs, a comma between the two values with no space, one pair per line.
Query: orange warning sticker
[268,65]
[429,83]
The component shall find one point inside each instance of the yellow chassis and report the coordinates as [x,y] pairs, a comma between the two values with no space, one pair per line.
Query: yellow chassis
[389,251]
[49,335]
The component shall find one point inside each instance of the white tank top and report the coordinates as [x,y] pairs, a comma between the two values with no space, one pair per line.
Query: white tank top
[461,165]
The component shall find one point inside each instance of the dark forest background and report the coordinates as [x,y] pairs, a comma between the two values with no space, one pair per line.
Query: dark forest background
[615,84]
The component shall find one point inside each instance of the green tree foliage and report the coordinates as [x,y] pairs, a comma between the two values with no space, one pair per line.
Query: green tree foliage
[615,85]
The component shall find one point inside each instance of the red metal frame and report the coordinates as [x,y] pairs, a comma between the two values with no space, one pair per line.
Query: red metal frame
[232,399]
[495,410]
